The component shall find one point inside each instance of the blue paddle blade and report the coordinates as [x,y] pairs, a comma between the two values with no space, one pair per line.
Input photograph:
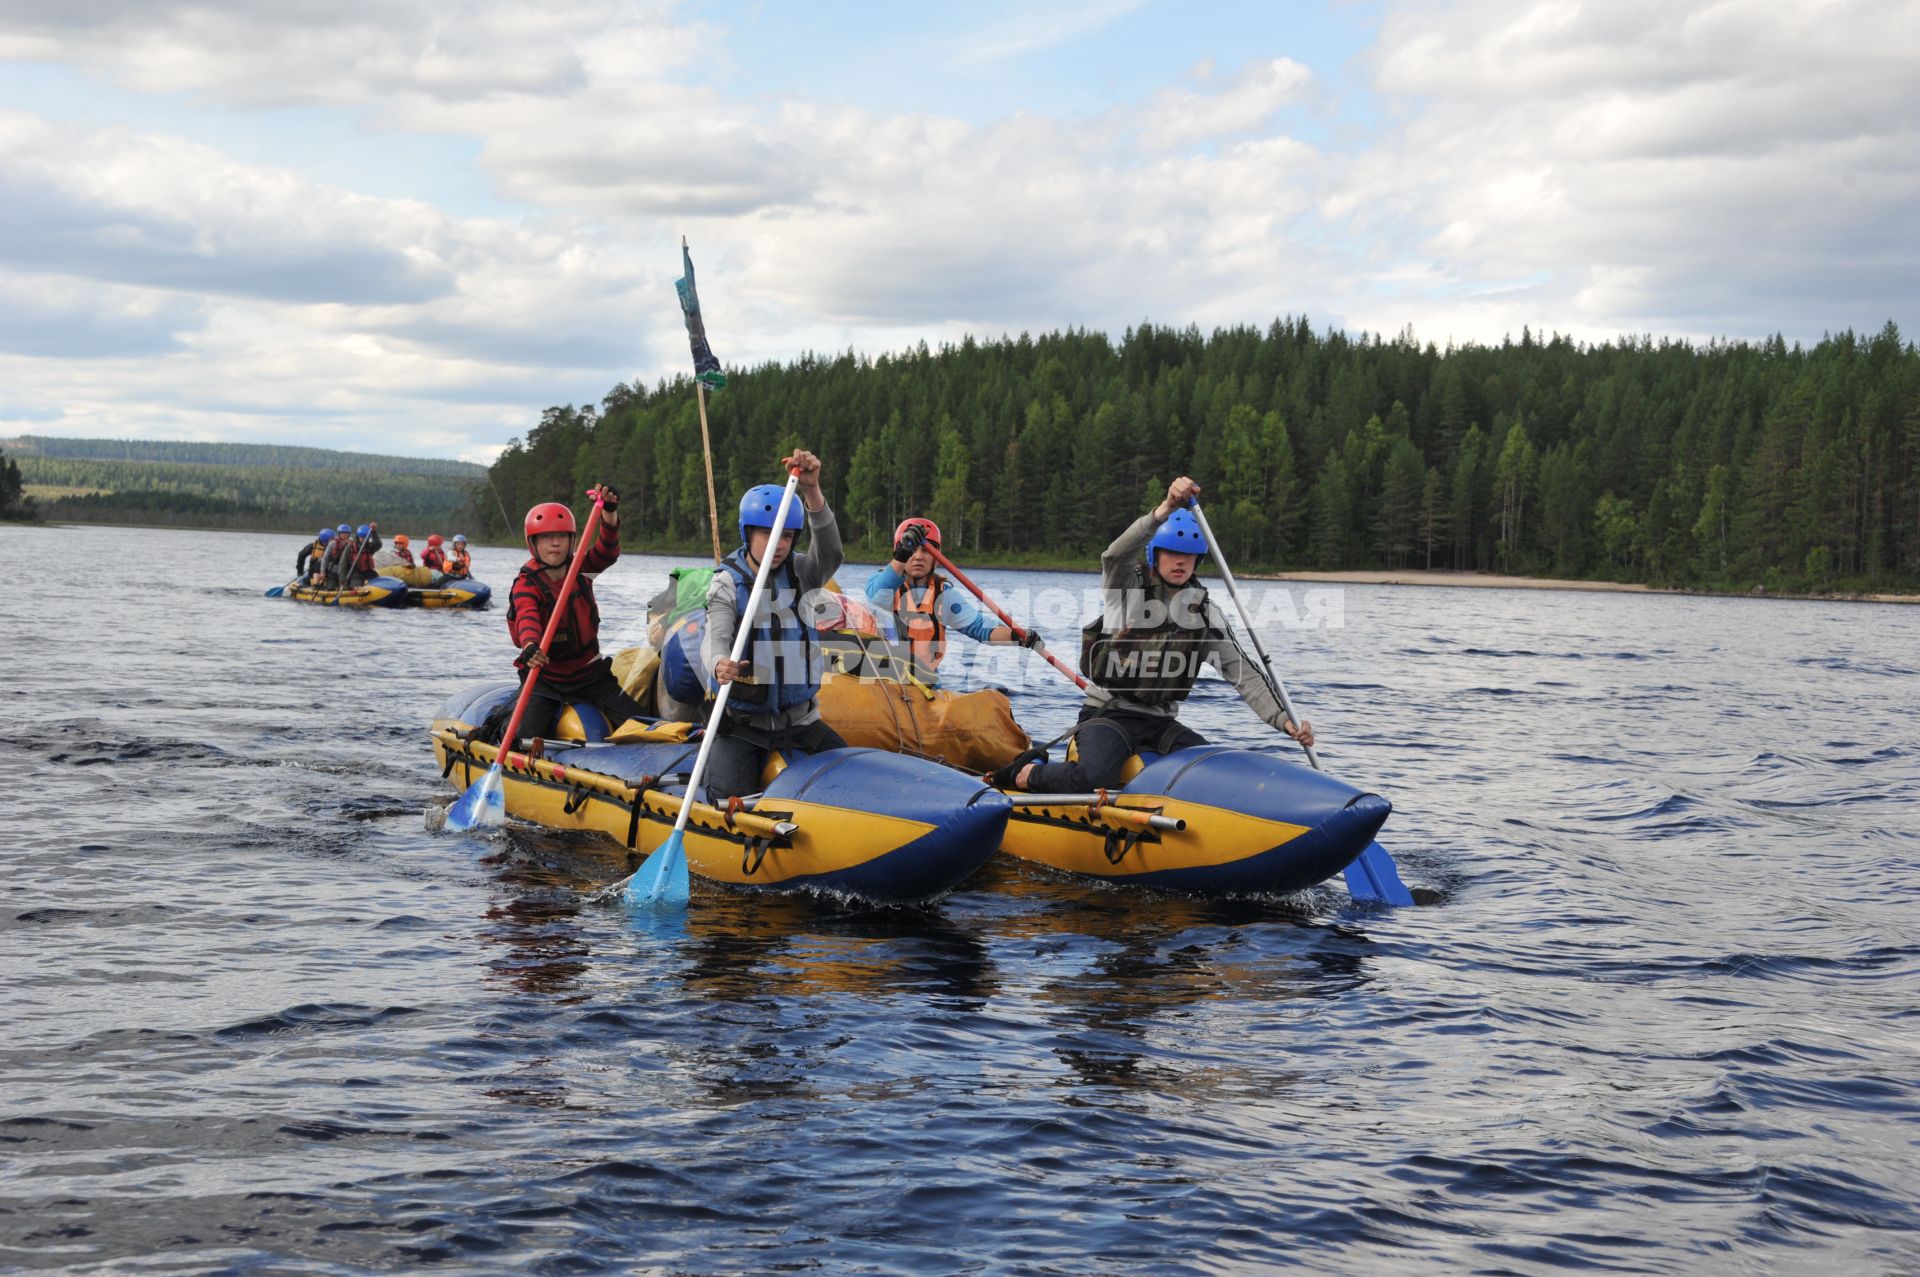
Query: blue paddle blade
[484,803]
[662,883]
[276,591]
[1375,879]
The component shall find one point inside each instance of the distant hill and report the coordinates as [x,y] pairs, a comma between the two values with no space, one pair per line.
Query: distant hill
[239,485]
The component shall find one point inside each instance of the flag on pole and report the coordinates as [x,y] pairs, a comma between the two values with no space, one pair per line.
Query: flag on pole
[706,368]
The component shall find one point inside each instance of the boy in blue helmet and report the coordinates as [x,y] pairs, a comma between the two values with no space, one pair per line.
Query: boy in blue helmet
[362,569]
[774,704]
[1157,626]
[339,557]
[312,554]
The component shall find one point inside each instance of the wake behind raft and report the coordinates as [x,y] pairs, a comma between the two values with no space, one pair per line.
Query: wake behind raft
[1210,820]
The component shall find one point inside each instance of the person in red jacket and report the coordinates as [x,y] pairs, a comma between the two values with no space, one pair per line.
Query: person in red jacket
[571,669]
[433,556]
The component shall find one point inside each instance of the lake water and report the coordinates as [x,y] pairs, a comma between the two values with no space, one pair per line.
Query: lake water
[1664,1016]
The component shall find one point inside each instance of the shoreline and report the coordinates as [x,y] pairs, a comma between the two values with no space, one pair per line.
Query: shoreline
[1496,581]
[1044,563]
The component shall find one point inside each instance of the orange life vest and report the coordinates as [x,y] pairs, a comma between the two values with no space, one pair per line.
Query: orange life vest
[921,621]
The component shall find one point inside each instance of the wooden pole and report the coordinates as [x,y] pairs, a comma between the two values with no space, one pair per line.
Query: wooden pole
[706,446]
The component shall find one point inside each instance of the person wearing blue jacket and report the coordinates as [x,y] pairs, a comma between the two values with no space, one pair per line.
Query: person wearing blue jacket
[925,605]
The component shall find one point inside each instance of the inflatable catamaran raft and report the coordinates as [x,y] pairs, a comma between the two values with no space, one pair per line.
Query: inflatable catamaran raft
[1209,820]
[396,587]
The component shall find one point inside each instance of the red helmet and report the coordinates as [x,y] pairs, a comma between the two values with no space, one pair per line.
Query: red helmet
[932,530]
[434,539]
[548,516]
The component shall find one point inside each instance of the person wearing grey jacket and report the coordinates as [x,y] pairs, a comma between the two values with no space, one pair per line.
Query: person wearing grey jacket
[774,703]
[1142,654]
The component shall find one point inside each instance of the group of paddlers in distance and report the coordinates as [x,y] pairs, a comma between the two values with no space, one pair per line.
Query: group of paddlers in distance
[346,557]
[1139,658]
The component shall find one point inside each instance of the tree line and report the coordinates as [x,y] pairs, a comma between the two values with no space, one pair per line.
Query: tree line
[1728,465]
[273,456]
[253,496]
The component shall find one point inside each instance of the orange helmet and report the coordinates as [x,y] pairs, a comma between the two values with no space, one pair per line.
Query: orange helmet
[931,528]
[400,538]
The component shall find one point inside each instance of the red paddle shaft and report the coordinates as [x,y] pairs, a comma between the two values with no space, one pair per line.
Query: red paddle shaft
[585,543]
[995,608]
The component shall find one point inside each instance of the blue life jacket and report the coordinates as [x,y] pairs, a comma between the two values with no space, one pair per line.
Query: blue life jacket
[784,662]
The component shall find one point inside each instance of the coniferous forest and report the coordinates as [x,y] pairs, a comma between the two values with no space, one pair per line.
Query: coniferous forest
[1724,466]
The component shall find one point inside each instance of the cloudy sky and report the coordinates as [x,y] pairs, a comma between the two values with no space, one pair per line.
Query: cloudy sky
[409,225]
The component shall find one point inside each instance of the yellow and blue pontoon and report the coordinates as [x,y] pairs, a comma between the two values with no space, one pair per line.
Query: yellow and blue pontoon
[1206,820]
[862,823]
[381,591]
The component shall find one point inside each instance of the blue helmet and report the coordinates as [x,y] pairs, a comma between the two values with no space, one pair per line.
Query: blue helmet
[326,535]
[344,529]
[1180,534]
[459,538]
[362,533]
[762,502]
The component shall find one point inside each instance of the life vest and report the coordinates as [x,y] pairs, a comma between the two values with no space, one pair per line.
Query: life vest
[432,558]
[459,563]
[921,622]
[782,654]
[403,554]
[1157,653]
[576,640]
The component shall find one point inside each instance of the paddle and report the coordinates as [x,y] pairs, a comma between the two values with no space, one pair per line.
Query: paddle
[662,882]
[1373,877]
[999,612]
[485,801]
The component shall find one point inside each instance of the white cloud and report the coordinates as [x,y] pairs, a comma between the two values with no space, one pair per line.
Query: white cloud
[1592,168]
[1181,116]
[1038,29]
[1727,170]
[351,52]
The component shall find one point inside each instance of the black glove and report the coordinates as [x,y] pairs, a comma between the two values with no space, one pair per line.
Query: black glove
[1029,639]
[910,541]
[527,653]
[609,497]
[1004,778]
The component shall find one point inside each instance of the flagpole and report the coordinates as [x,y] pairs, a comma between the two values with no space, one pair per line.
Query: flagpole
[702,354]
[706,446]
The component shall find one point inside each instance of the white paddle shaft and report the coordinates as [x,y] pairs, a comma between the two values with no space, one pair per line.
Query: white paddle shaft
[741,638]
[1233,591]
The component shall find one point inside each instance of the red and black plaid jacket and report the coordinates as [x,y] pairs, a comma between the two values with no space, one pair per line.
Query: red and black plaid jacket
[576,643]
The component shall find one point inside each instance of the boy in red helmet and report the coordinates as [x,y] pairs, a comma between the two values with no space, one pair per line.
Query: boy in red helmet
[571,669]
[925,606]
[433,556]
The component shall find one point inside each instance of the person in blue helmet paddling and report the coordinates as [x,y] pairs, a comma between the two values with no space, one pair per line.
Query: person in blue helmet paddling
[1142,654]
[334,563]
[773,705]
[312,555]
[366,544]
